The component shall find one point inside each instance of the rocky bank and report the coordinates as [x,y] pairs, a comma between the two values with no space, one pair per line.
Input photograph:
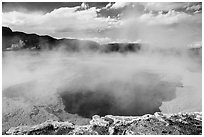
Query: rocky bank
[157,124]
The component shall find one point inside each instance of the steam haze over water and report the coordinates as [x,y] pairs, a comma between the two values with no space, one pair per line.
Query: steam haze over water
[142,82]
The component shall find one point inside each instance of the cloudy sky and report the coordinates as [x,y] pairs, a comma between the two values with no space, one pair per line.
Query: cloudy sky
[159,23]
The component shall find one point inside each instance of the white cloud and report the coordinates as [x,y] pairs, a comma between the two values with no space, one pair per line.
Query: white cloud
[59,20]
[166,6]
[171,17]
[194,7]
[108,5]
[175,27]
[84,5]
[120,5]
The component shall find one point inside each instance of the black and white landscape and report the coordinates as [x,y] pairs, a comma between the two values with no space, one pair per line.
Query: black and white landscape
[70,61]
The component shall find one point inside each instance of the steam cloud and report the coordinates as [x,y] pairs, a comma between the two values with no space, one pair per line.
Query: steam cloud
[97,83]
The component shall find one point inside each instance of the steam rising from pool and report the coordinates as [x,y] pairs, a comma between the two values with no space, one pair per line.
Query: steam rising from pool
[117,84]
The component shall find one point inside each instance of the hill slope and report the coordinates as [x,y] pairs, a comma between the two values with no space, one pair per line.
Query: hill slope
[14,40]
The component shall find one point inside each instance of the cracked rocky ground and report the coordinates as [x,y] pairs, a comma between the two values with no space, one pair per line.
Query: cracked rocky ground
[157,124]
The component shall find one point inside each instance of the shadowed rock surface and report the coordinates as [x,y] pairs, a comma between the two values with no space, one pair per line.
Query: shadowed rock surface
[157,124]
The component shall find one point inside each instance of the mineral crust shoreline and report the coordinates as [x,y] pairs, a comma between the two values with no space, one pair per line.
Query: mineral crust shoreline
[157,124]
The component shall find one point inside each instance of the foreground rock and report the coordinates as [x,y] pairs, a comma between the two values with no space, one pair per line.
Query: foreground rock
[157,124]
